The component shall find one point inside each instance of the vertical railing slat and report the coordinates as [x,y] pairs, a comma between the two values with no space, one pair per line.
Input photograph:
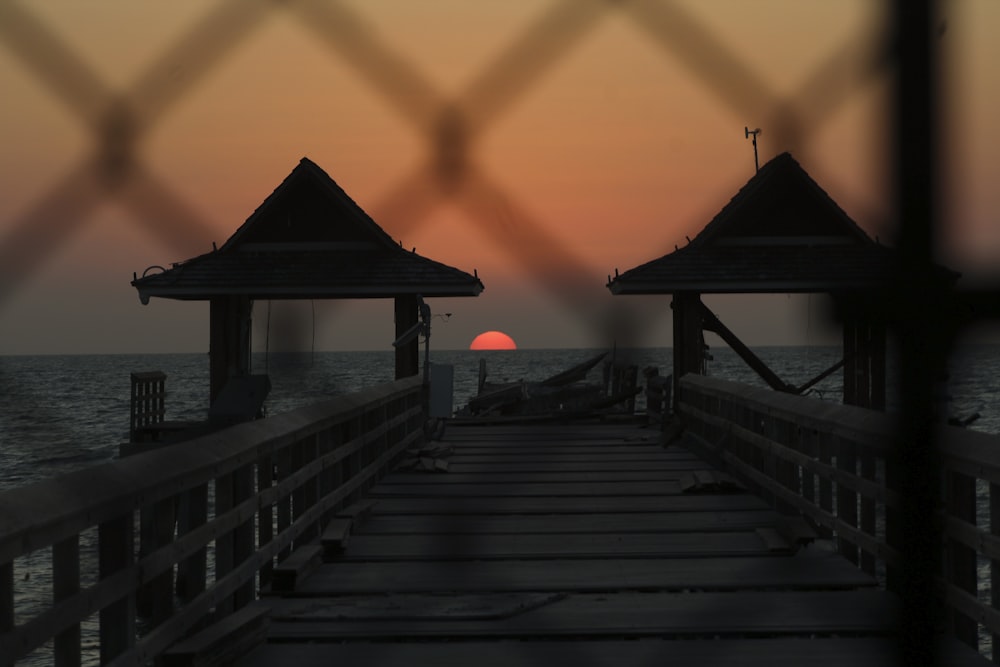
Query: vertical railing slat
[224,561]
[6,597]
[192,512]
[66,583]
[115,552]
[847,499]
[265,515]
[995,564]
[243,534]
[866,462]
[960,560]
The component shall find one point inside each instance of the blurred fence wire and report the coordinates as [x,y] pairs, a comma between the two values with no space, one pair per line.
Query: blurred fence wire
[900,46]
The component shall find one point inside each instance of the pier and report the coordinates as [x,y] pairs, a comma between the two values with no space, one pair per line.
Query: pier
[758,528]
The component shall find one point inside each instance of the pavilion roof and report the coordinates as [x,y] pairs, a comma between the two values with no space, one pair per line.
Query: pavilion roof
[308,240]
[780,233]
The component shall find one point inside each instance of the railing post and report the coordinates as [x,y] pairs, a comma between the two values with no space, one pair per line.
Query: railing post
[283,461]
[224,557]
[960,560]
[299,501]
[161,588]
[786,472]
[893,524]
[847,499]
[115,544]
[807,445]
[866,461]
[66,583]
[192,512]
[7,596]
[243,534]
[309,449]
[995,564]
[265,515]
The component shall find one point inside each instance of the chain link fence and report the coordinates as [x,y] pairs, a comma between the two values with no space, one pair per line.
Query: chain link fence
[897,46]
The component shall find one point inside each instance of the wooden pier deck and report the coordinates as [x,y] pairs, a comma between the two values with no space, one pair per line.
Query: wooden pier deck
[575,544]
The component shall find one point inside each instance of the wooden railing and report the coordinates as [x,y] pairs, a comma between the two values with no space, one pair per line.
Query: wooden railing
[835,465]
[236,502]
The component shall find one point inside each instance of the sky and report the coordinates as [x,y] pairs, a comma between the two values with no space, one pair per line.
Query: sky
[585,137]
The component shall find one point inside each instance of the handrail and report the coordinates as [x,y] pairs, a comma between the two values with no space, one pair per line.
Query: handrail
[228,490]
[836,465]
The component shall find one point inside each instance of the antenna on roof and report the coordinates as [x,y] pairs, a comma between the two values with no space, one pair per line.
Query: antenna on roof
[746,133]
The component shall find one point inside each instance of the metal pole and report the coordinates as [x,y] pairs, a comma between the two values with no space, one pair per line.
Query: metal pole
[923,343]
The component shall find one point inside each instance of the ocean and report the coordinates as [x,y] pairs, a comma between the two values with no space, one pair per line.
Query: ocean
[62,413]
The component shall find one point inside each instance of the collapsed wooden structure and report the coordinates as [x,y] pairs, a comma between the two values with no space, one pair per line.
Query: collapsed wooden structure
[780,234]
[307,240]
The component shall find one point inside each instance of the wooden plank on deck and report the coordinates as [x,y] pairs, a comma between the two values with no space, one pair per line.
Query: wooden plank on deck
[533,477]
[650,522]
[527,490]
[556,467]
[571,505]
[581,652]
[607,574]
[582,615]
[566,546]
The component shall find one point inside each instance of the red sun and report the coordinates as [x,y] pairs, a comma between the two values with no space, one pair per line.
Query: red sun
[493,340]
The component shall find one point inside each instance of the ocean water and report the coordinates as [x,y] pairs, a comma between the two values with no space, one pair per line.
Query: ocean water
[62,413]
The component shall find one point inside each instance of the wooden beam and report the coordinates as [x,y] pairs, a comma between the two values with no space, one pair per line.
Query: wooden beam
[713,324]
[822,376]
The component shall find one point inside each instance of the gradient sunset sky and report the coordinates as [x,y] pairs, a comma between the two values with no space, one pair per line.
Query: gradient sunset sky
[617,129]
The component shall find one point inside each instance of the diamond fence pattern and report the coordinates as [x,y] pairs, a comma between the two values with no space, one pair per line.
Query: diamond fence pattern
[118,118]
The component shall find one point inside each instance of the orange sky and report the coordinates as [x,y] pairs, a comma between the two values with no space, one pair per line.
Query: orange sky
[611,141]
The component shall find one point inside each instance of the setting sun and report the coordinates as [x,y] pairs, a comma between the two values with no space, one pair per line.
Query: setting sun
[493,340]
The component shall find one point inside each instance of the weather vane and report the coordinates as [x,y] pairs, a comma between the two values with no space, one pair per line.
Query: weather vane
[746,133]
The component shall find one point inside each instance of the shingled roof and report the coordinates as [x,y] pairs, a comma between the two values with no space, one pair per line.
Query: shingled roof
[781,233]
[307,240]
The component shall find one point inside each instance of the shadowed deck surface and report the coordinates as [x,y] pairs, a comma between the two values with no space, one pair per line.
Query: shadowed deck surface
[546,544]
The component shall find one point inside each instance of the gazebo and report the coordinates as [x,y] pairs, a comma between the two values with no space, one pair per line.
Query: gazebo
[781,233]
[307,240]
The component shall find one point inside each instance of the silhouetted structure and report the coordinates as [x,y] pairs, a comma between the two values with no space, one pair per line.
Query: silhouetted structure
[781,233]
[308,240]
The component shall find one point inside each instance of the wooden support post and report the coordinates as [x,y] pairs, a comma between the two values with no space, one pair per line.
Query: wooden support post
[862,379]
[408,354]
[66,583]
[117,621]
[229,340]
[851,359]
[876,364]
[689,342]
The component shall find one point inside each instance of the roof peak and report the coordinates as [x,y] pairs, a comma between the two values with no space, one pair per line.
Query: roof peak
[783,201]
